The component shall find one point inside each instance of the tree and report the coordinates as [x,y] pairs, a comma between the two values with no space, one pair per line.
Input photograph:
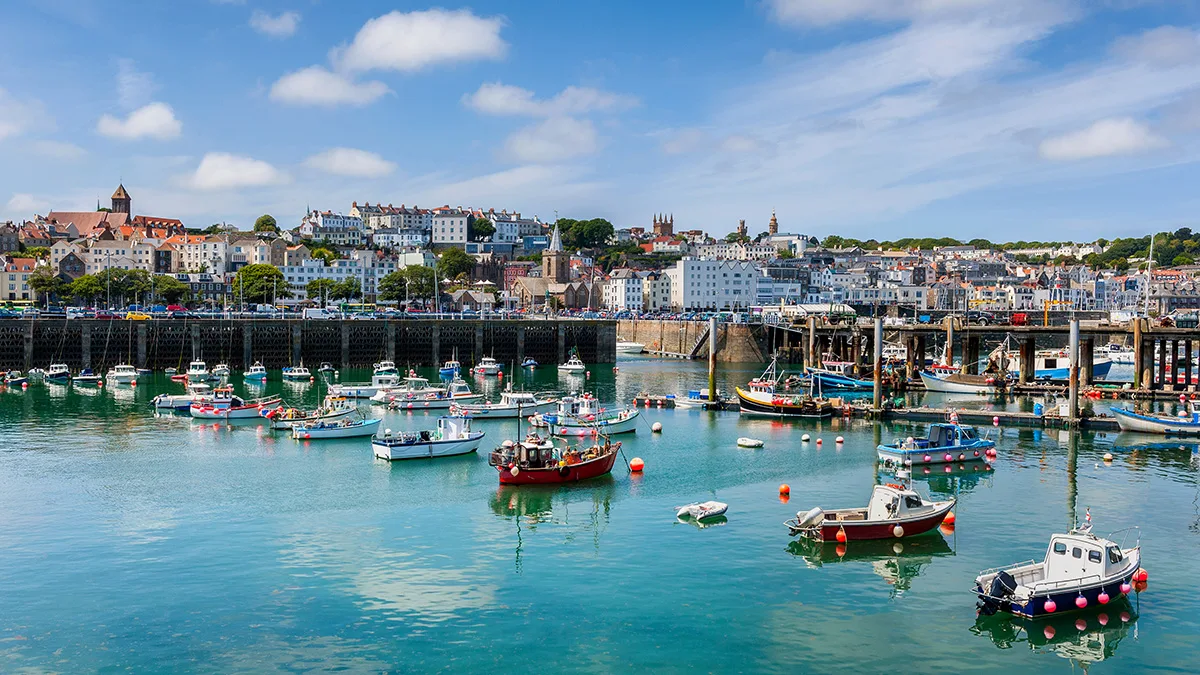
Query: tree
[347,289]
[260,283]
[319,289]
[45,282]
[482,228]
[786,254]
[413,282]
[266,223]
[215,228]
[322,253]
[86,288]
[38,252]
[592,233]
[737,238]
[454,262]
[170,289]
[1182,259]
[1120,265]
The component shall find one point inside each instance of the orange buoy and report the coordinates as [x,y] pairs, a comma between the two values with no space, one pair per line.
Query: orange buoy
[636,465]
[841,550]
[950,518]
[841,536]
[1141,575]
[783,498]
[785,489]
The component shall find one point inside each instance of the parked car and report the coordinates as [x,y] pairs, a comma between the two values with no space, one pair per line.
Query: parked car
[1019,319]
[137,316]
[980,318]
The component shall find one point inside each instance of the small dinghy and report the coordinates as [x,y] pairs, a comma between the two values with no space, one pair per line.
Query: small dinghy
[1080,570]
[88,377]
[529,362]
[326,367]
[701,511]
[745,442]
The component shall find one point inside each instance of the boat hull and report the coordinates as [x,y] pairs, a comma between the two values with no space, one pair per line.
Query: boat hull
[571,473]
[403,403]
[823,380]
[890,454]
[284,425]
[779,407]
[1099,372]
[942,385]
[601,427]
[495,411]
[427,449]
[1129,420]
[205,412]
[885,529]
[368,428]
[1064,599]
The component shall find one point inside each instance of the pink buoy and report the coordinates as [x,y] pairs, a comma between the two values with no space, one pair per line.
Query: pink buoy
[928,458]
[1048,631]
[1125,588]
[949,457]
[1080,624]
[961,456]
[996,421]
[1050,606]
[1125,617]
[1081,602]
[1103,598]
[976,453]
[1103,619]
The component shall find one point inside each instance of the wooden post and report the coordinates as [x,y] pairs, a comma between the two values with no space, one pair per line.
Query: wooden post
[1028,357]
[910,357]
[1073,373]
[1087,359]
[1161,350]
[811,360]
[949,356]
[1139,346]
[971,358]
[921,357]
[877,398]
[856,352]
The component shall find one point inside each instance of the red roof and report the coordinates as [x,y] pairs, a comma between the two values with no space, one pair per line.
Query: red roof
[21,265]
[88,221]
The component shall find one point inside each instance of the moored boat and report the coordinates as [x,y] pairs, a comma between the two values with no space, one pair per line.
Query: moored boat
[58,373]
[297,374]
[511,404]
[1079,570]
[573,366]
[1184,424]
[962,383]
[536,461]
[14,378]
[762,396]
[629,347]
[334,407]
[893,512]
[529,362]
[488,366]
[224,405]
[835,375]
[144,372]
[198,372]
[582,416]
[255,373]
[182,402]
[122,374]
[430,398]
[220,370]
[366,389]
[326,367]
[344,428]
[453,436]
[36,375]
[450,370]
[87,377]
[386,368]
[945,443]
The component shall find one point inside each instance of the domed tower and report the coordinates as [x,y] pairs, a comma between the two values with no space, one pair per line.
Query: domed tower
[121,201]
[773,226]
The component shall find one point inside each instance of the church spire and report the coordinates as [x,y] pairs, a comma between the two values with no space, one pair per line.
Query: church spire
[556,245]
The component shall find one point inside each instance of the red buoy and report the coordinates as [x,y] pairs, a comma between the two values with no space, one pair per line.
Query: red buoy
[841,536]
[785,489]
[950,518]
[1081,602]
[1141,575]
[1050,606]
[636,465]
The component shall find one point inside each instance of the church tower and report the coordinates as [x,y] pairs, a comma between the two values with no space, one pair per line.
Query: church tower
[121,201]
[742,227]
[773,226]
[556,263]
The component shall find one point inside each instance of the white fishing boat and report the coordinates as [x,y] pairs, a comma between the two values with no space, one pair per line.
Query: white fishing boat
[1186,423]
[573,366]
[36,375]
[453,436]
[122,374]
[386,368]
[512,404]
[198,372]
[1055,364]
[434,398]
[14,378]
[334,408]
[87,378]
[414,386]
[1118,354]
[58,373]
[366,389]
[224,405]
[297,374]
[144,373]
[582,416]
[182,402]
[488,366]
[220,370]
[344,428]
[629,347]
[747,442]
[961,383]
[256,373]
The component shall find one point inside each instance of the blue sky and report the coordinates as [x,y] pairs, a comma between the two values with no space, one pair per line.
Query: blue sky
[1007,119]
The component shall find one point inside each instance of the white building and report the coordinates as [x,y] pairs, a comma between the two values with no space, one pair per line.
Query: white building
[656,292]
[713,284]
[391,237]
[623,291]
[206,253]
[449,226]
[724,250]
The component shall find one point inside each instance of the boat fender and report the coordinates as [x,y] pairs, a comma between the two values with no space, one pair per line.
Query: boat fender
[564,471]
[515,470]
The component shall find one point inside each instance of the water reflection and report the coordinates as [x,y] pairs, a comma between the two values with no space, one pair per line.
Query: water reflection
[1083,637]
[947,479]
[897,562]
[529,506]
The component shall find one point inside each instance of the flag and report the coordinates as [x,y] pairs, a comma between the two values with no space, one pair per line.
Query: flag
[1088,514]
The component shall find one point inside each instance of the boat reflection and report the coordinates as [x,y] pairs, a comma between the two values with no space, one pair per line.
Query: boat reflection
[1081,637]
[947,479]
[897,562]
[528,506]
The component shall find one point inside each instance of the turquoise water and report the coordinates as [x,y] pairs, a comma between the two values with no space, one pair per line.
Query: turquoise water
[133,542]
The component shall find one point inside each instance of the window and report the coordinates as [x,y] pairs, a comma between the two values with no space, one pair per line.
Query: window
[1094,556]
[1114,555]
[1076,552]
[1060,548]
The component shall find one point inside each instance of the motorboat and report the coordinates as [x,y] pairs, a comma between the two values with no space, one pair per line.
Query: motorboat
[701,511]
[36,375]
[529,362]
[1118,354]
[963,383]
[945,443]
[386,368]
[512,404]
[1079,570]
[122,374]
[87,377]
[220,370]
[453,436]
[198,372]
[698,398]
[344,428]
[58,373]
[573,366]
[893,512]
[450,370]
[297,374]
[224,405]
[582,416]
[762,396]
[414,387]
[255,373]
[747,442]
[488,366]
[1187,422]
[14,378]
[537,461]
[835,375]
[431,398]
[628,347]
[170,371]
[334,407]
[326,367]
[183,402]
[144,372]
[1055,364]
[366,389]
[894,353]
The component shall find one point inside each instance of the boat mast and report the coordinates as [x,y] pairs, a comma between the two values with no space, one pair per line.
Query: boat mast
[1149,276]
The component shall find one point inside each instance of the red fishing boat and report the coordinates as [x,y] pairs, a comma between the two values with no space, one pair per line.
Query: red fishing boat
[894,512]
[537,461]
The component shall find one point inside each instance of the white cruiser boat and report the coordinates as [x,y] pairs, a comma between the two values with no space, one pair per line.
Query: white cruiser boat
[366,389]
[488,366]
[58,373]
[182,402]
[386,368]
[297,374]
[512,404]
[414,386]
[334,408]
[223,405]
[122,374]
[198,372]
[256,374]
[582,416]
[335,429]
[220,370]
[573,366]
[430,398]
[628,347]
[453,436]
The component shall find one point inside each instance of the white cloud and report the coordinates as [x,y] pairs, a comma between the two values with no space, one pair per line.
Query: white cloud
[740,144]
[280,26]
[57,149]
[351,162]
[414,40]
[25,203]
[134,88]
[827,12]
[683,140]
[1165,46]
[16,116]
[496,98]
[317,86]
[225,171]
[552,140]
[1120,136]
[155,120]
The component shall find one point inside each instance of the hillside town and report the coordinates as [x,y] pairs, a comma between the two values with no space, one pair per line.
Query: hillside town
[483,259]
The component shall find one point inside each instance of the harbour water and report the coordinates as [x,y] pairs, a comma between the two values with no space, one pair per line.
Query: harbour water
[158,544]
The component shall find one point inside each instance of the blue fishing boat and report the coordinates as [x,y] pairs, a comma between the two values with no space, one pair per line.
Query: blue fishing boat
[450,370]
[1186,423]
[529,362]
[835,376]
[950,442]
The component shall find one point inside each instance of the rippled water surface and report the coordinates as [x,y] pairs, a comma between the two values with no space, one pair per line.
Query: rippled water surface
[156,544]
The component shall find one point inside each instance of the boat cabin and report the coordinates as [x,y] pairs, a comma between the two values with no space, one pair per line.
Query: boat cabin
[457,388]
[197,368]
[385,380]
[515,398]
[892,502]
[1080,554]
[947,436]
[581,406]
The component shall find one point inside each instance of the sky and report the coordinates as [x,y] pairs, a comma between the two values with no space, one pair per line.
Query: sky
[1003,119]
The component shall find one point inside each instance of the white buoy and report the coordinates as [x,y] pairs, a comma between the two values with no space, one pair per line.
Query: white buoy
[656,427]
[1108,456]
[805,438]
[839,439]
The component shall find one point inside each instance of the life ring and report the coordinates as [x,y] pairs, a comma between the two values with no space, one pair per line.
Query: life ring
[893,485]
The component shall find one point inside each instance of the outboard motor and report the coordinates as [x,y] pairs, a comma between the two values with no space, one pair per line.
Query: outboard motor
[1003,586]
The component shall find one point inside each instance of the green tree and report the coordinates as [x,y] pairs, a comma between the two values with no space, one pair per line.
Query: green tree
[170,289]
[319,289]
[266,223]
[786,254]
[482,228]
[215,228]
[1120,265]
[260,283]
[592,233]
[1182,259]
[737,238]
[347,289]
[322,253]
[38,252]
[45,282]
[86,288]
[453,262]
[414,282]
